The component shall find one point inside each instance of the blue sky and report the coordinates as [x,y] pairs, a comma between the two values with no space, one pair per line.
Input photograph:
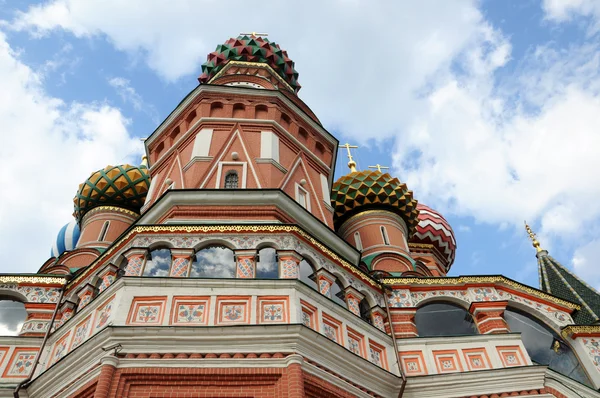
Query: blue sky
[488,110]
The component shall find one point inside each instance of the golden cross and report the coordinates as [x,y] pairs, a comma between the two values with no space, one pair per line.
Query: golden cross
[351,162]
[378,167]
[533,238]
[254,34]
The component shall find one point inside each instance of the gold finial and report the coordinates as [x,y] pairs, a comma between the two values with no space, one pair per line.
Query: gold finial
[351,162]
[254,34]
[378,167]
[533,238]
[144,161]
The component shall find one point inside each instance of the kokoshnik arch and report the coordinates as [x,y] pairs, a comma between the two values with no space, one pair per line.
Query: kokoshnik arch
[230,263]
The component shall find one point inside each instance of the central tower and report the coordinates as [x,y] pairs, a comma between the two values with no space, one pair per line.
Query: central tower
[243,127]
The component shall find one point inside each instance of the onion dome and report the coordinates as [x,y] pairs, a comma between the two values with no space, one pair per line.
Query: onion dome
[122,186]
[433,229]
[250,48]
[66,239]
[372,189]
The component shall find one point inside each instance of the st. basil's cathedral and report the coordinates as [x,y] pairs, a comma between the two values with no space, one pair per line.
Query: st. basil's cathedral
[229,263]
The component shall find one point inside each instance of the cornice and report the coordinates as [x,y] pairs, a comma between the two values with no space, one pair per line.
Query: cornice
[37,279]
[463,280]
[574,331]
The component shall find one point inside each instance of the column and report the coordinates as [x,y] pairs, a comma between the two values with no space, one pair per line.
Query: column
[489,316]
[403,321]
[245,263]
[66,312]
[289,264]
[353,299]
[109,364]
[181,262]
[325,280]
[135,261]
[107,276]
[378,317]
[85,295]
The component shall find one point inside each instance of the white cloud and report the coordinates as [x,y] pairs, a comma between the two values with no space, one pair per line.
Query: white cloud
[566,10]
[49,147]
[585,262]
[521,148]
[129,95]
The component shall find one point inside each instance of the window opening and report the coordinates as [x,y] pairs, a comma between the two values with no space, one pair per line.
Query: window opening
[386,239]
[357,241]
[103,231]
[231,180]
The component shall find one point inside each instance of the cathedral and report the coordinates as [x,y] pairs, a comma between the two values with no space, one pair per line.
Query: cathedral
[230,263]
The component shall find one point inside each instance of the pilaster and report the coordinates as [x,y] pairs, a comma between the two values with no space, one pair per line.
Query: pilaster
[289,264]
[136,257]
[181,262]
[489,316]
[245,263]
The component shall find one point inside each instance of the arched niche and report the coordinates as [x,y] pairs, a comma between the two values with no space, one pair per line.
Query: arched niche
[12,313]
[365,310]
[267,266]
[307,273]
[158,262]
[443,318]
[544,345]
[213,261]
[337,292]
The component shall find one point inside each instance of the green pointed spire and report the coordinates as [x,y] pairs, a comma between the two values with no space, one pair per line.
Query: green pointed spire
[560,281]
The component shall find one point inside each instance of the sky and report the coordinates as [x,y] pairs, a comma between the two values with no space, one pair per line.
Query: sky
[488,110]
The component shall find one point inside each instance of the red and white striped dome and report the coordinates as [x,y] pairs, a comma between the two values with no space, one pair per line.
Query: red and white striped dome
[434,229]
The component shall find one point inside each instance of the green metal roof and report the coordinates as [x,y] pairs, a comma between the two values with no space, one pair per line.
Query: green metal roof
[562,282]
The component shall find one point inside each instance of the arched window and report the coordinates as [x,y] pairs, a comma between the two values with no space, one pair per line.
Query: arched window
[444,319]
[214,262]
[231,180]
[267,267]
[386,239]
[544,345]
[307,274]
[365,310]
[158,263]
[104,230]
[357,241]
[337,293]
[12,316]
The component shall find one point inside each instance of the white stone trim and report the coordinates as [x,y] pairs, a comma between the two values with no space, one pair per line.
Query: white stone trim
[476,383]
[202,143]
[273,162]
[269,145]
[245,339]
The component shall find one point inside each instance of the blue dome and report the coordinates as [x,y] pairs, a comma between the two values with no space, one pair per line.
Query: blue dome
[67,239]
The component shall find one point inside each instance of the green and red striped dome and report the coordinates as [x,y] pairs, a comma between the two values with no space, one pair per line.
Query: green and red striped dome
[249,48]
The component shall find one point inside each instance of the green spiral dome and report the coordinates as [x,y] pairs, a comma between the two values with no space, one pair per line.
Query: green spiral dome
[371,189]
[122,186]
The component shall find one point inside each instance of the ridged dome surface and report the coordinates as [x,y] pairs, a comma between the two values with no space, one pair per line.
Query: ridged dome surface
[122,186]
[248,48]
[434,229]
[371,189]
[66,239]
